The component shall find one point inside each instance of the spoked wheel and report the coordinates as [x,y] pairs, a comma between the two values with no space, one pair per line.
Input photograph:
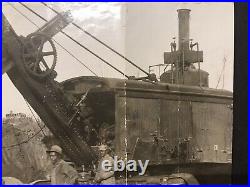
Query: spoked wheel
[39,55]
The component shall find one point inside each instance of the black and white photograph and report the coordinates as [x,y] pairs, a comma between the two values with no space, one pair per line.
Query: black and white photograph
[117,92]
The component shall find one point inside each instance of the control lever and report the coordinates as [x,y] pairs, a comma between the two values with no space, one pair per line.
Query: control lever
[83,98]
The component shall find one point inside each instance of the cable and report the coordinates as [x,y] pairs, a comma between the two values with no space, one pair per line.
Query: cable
[22,14]
[95,55]
[34,117]
[25,141]
[41,129]
[32,11]
[54,40]
[92,36]
[78,42]
[222,72]
[76,58]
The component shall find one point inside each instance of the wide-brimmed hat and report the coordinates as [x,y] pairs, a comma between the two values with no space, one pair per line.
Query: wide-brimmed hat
[56,149]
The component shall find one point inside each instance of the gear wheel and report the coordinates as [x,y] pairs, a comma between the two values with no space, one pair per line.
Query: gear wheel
[33,55]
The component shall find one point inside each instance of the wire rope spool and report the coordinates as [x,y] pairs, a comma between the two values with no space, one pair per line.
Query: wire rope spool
[39,55]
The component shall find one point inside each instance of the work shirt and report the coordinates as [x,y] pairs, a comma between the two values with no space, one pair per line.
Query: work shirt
[63,173]
[106,177]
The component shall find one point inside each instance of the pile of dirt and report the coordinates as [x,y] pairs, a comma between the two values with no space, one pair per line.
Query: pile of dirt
[26,161]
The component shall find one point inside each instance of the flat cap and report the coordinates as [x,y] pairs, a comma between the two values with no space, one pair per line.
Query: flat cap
[56,149]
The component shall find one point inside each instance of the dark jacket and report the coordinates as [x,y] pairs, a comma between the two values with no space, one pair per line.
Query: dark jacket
[63,173]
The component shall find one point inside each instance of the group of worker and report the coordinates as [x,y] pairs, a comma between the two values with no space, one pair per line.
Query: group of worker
[61,172]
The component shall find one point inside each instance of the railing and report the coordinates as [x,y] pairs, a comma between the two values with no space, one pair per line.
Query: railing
[159,71]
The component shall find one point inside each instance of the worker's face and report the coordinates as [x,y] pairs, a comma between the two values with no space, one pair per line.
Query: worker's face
[53,157]
[102,152]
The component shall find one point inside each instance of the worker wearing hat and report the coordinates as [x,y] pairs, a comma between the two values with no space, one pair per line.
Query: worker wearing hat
[60,172]
[102,176]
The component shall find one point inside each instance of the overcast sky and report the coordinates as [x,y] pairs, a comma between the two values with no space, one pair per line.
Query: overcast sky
[140,31]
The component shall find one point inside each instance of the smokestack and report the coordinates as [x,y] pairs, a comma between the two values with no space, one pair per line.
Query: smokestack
[183,15]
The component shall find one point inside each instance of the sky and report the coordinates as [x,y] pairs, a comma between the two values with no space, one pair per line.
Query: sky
[140,31]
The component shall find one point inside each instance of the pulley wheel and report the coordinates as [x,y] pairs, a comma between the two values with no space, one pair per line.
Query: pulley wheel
[39,55]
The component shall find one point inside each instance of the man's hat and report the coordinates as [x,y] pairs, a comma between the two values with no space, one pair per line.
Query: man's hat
[103,147]
[56,149]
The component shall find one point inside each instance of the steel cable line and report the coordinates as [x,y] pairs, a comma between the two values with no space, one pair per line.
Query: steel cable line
[222,73]
[98,40]
[34,117]
[54,41]
[81,45]
[41,129]
[25,141]
[28,139]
